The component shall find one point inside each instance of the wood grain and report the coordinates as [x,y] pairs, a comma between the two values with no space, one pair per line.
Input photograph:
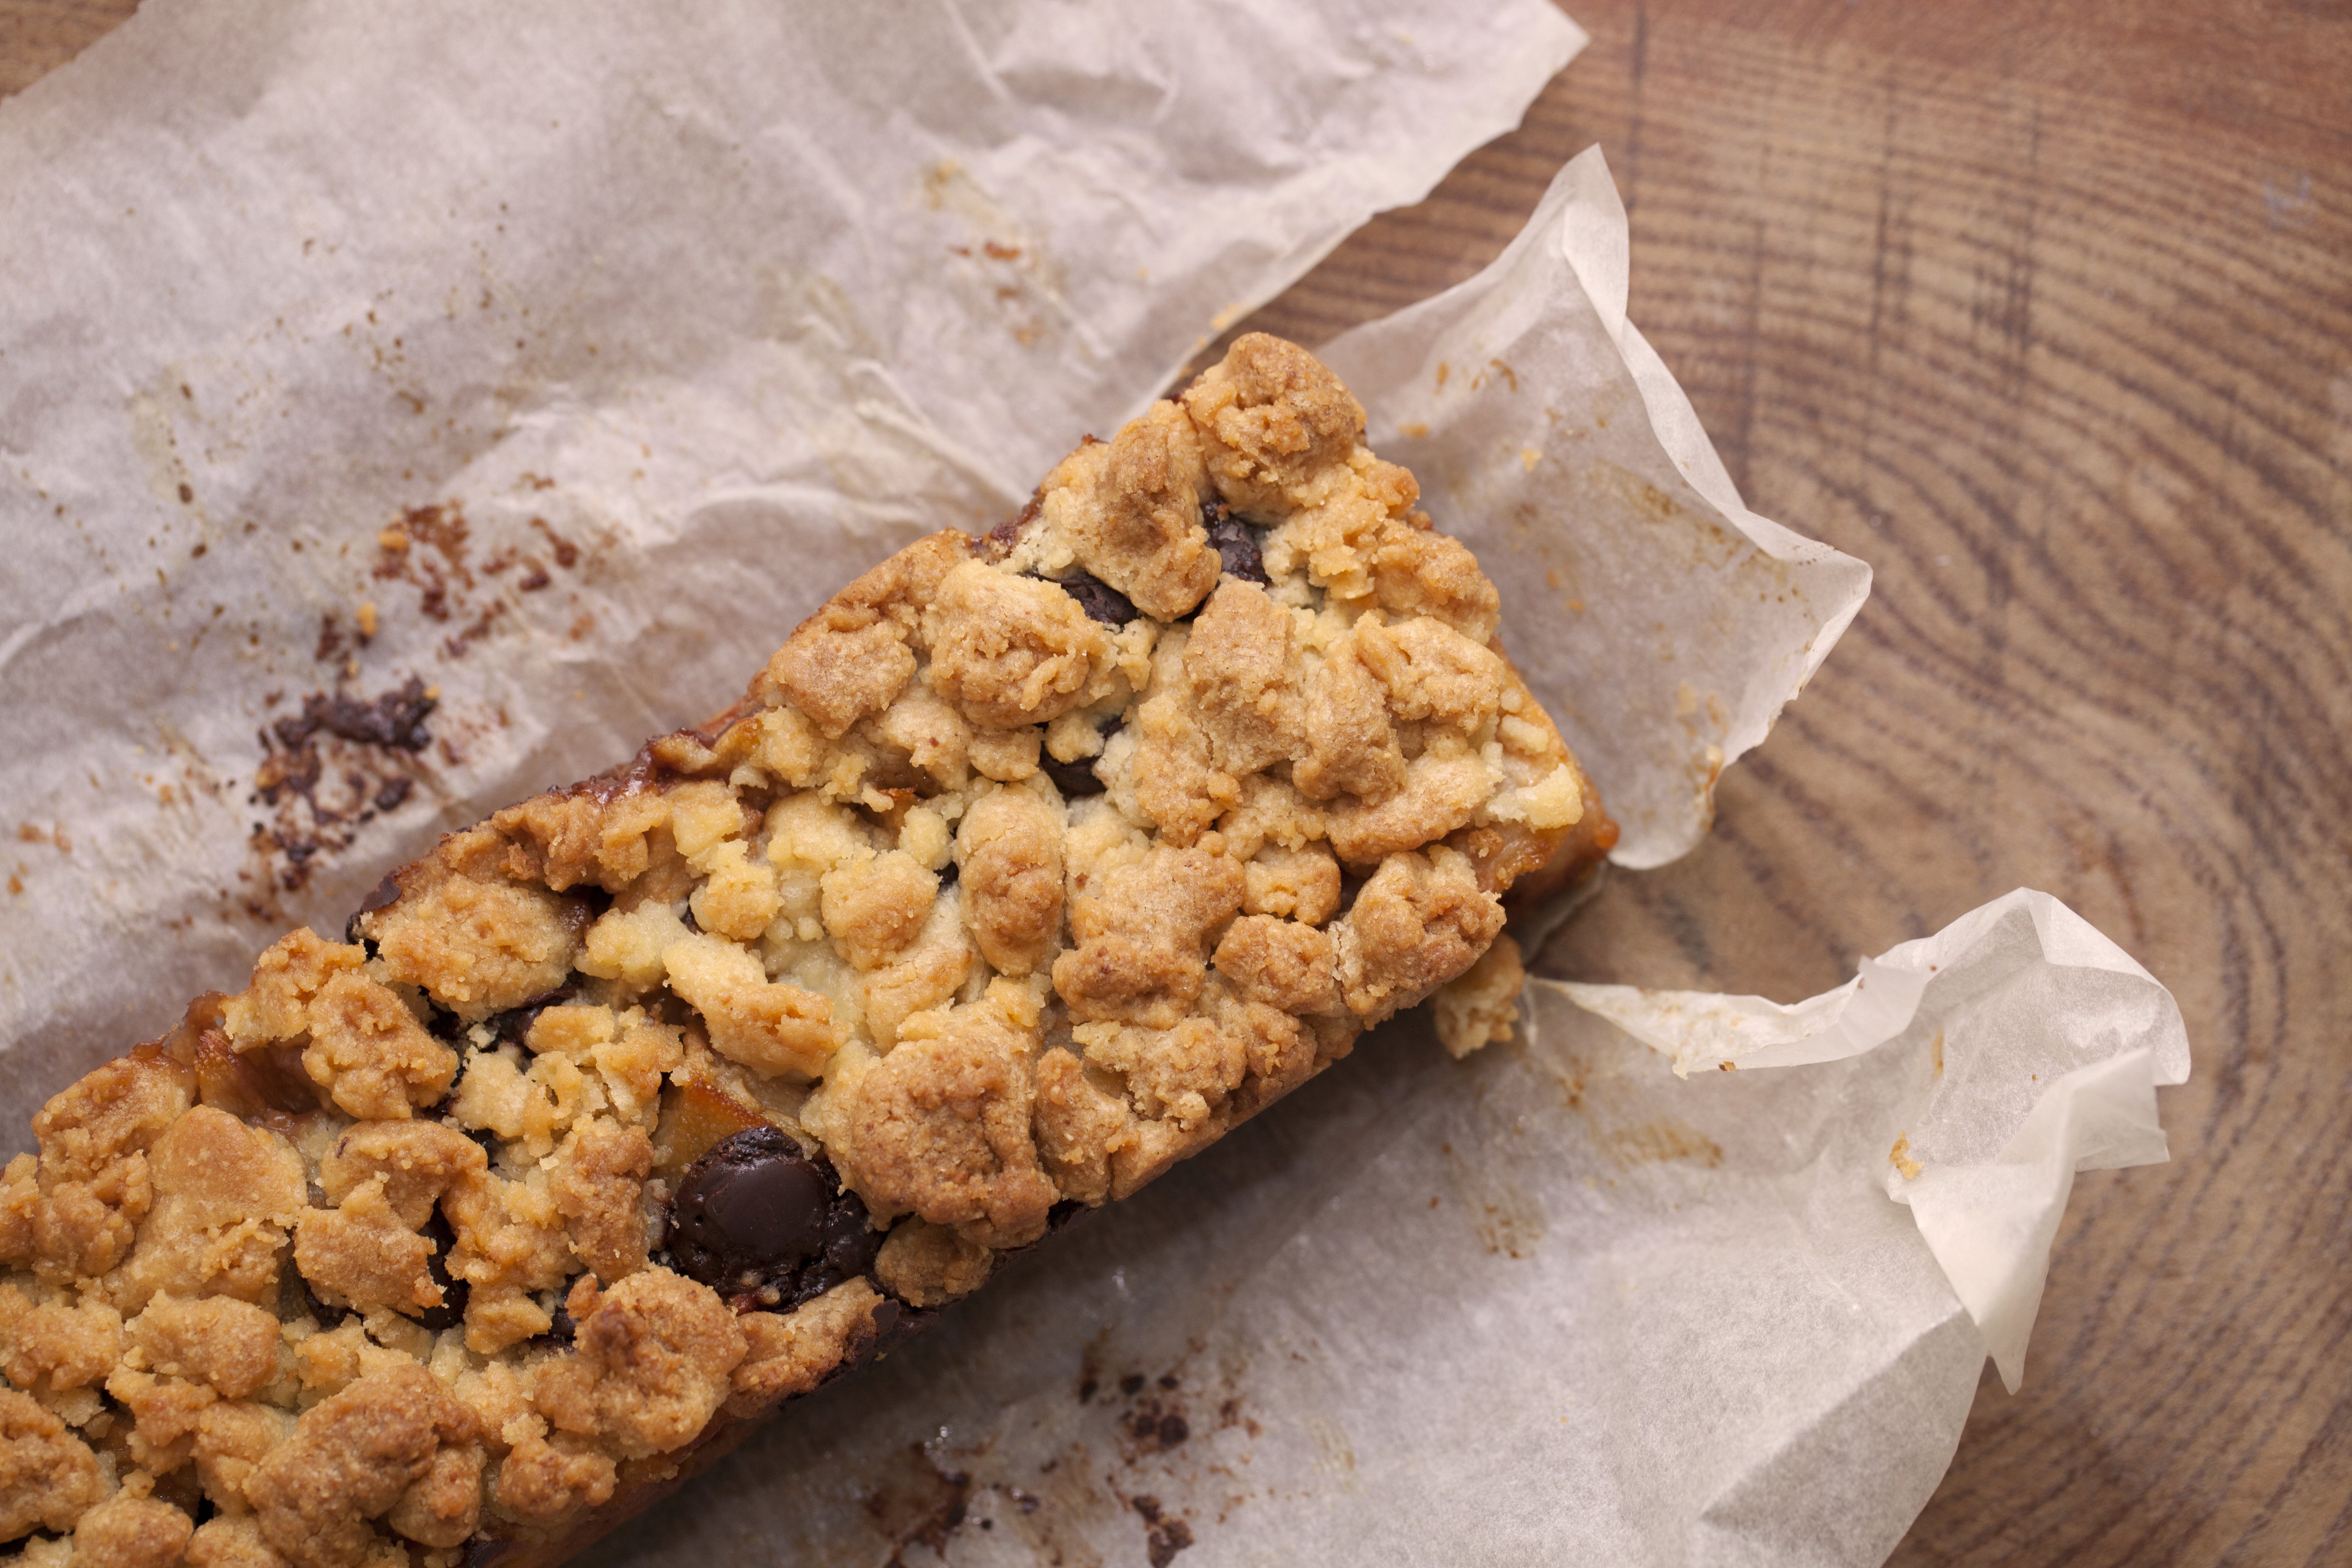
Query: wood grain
[37,37]
[2045,310]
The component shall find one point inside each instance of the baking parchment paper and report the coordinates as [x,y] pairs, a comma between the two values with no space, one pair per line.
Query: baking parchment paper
[577,358]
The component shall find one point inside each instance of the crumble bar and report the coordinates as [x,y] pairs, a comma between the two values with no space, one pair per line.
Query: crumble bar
[1029,866]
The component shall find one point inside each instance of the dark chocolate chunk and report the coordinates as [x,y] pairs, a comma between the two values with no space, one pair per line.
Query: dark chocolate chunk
[294,1291]
[452,1310]
[386,892]
[850,1240]
[947,875]
[513,1025]
[752,1206]
[395,720]
[1073,779]
[1234,541]
[1098,599]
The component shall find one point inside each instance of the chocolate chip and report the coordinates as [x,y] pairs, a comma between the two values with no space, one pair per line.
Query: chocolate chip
[1098,599]
[947,875]
[1234,541]
[850,1240]
[1073,779]
[749,1209]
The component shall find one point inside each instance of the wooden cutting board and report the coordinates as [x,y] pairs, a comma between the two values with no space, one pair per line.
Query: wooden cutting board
[2044,307]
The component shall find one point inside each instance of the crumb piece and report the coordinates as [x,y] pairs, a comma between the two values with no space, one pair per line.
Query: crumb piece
[1482,1004]
[511,1246]
[633,1062]
[1352,748]
[478,946]
[531,1106]
[1141,933]
[585,837]
[1286,964]
[276,1004]
[739,897]
[927,1264]
[769,1028]
[850,658]
[550,1481]
[1180,1074]
[940,1127]
[353,1458]
[627,945]
[1242,671]
[1552,801]
[359,1254]
[651,1363]
[165,1411]
[128,1531]
[599,1184]
[925,973]
[1442,792]
[1432,672]
[1007,756]
[1010,651]
[232,1438]
[231,1542]
[1417,571]
[872,907]
[1300,884]
[226,1198]
[1079,1127]
[1273,421]
[370,1054]
[1009,850]
[229,1345]
[61,1344]
[791,1352]
[1129,509]
[932,734]
[1417,923]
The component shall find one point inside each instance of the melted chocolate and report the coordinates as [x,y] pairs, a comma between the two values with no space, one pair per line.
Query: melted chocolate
[1234,541]
[1098,599]
[761,1224]
[1073,779]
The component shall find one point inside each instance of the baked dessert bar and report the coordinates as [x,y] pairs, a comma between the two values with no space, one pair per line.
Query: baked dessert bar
[1029,866]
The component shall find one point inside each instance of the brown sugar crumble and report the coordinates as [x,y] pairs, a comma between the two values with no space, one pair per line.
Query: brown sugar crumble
[1029,866]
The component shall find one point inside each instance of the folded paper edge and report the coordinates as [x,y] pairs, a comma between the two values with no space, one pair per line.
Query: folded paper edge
[1582,220]
[1990,1227]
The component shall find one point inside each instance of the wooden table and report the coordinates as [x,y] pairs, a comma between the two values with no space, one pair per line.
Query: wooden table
[2045,310]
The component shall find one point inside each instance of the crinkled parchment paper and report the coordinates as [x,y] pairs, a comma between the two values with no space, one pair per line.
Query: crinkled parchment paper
[572,356]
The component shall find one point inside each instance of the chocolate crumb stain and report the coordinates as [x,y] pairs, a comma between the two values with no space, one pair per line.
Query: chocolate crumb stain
[331,768]
[567,554]
[1164,1534]
[942,1502]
